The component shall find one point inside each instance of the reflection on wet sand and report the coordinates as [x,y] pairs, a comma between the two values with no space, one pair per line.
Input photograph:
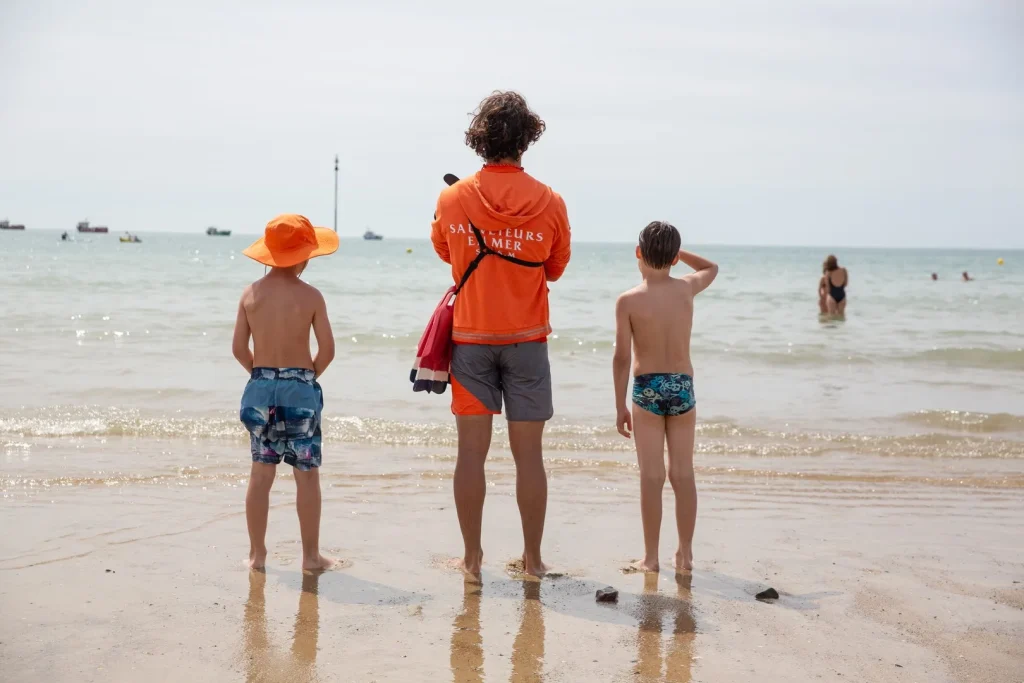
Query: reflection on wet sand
[265,665]
[467,654]
[528,647]
[653,607]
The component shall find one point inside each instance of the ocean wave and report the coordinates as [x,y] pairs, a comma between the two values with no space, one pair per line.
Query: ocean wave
[721,437]
[972,357]
[965,421]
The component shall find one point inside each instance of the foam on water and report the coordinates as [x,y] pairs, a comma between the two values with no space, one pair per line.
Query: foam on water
[720,437]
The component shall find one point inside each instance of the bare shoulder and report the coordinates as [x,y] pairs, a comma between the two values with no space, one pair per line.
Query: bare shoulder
[682,285]
[247,294]
[628,297]
[310,293]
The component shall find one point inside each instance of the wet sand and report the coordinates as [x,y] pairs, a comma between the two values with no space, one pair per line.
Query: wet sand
[141,579]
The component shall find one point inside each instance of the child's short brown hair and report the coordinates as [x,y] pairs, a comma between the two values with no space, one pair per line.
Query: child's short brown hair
[659,244]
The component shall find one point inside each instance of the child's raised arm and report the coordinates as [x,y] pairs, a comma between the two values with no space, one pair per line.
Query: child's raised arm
[620,366]
[240,341]
[705,274]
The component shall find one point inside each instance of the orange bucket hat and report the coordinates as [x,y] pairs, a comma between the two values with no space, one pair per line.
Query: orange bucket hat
[291,239]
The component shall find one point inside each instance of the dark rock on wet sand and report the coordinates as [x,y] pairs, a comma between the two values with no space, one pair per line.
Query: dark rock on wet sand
[607,594]
[768,594]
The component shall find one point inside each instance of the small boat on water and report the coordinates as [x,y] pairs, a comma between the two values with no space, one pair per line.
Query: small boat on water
[84,226]
[214,232]
[371,235]
[7,225]
[128,237]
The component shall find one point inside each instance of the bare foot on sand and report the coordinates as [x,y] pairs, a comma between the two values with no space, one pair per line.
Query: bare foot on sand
[257,559]
[684,560]
[319,563]
[470,567]
[642,567]
[538,570]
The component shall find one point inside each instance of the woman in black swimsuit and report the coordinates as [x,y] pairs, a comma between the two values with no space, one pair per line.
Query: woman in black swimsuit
[832,287]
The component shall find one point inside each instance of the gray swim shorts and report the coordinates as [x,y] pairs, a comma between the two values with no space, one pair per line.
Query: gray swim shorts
[482,375]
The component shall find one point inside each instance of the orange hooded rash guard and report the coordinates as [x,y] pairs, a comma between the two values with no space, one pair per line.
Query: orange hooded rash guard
[502,302]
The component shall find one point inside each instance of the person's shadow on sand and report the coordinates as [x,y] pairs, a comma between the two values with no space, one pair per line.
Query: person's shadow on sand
[263,663]
[467,653]
[651,609]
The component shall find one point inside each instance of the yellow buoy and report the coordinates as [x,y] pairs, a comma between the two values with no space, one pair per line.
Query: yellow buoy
[999,261]
[409,251]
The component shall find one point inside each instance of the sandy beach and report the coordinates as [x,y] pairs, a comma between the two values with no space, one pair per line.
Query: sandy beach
[142,580]
[870,472]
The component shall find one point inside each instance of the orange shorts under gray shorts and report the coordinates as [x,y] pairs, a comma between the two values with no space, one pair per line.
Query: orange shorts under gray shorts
[484,374]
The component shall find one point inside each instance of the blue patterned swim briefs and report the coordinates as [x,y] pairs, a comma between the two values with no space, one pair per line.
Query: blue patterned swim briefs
[281,408]
[664,394]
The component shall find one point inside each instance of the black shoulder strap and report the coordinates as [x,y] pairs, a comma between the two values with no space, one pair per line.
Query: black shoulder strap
[487,251]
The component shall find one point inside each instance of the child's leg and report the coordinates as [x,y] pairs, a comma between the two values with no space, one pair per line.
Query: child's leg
[649,435]
[307,503]
[257,507]
[680,431]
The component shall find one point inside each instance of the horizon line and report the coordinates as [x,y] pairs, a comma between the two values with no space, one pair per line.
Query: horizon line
[359,237]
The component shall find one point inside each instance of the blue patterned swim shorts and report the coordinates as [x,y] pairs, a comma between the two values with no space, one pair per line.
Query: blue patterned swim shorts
[281,409]
[664,394]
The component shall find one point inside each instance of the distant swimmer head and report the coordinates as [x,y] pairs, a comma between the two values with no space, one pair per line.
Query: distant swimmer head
[659,246]
[503,127]
[935,276]
[831,263]
[967,278]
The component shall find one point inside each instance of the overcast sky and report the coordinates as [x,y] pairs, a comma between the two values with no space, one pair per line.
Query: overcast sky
[876,122]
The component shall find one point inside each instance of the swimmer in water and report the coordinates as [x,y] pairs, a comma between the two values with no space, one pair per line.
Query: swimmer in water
[967,278]
[935,276]
[833,287]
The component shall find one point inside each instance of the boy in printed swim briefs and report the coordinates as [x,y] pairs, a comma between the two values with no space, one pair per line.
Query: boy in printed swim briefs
[282,402]
[654,320]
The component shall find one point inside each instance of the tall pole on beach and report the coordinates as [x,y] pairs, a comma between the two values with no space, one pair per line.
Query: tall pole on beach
[335,193]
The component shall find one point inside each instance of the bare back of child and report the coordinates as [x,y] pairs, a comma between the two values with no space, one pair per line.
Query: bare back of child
[653,328]
[282,402]
[280,309]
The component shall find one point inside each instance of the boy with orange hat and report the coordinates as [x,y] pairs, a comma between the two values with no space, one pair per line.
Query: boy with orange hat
[282,402]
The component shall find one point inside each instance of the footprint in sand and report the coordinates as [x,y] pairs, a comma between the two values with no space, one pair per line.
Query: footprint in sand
[446,563]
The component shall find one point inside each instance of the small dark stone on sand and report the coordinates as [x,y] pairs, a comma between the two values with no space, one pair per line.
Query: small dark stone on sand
[607,594]
[768,594]
[899,665]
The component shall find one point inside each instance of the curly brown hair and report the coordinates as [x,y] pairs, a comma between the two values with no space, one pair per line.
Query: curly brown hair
[503,127]
[659,244]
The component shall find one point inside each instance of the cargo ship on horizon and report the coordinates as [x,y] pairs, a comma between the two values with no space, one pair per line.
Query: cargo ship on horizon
[84,226]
